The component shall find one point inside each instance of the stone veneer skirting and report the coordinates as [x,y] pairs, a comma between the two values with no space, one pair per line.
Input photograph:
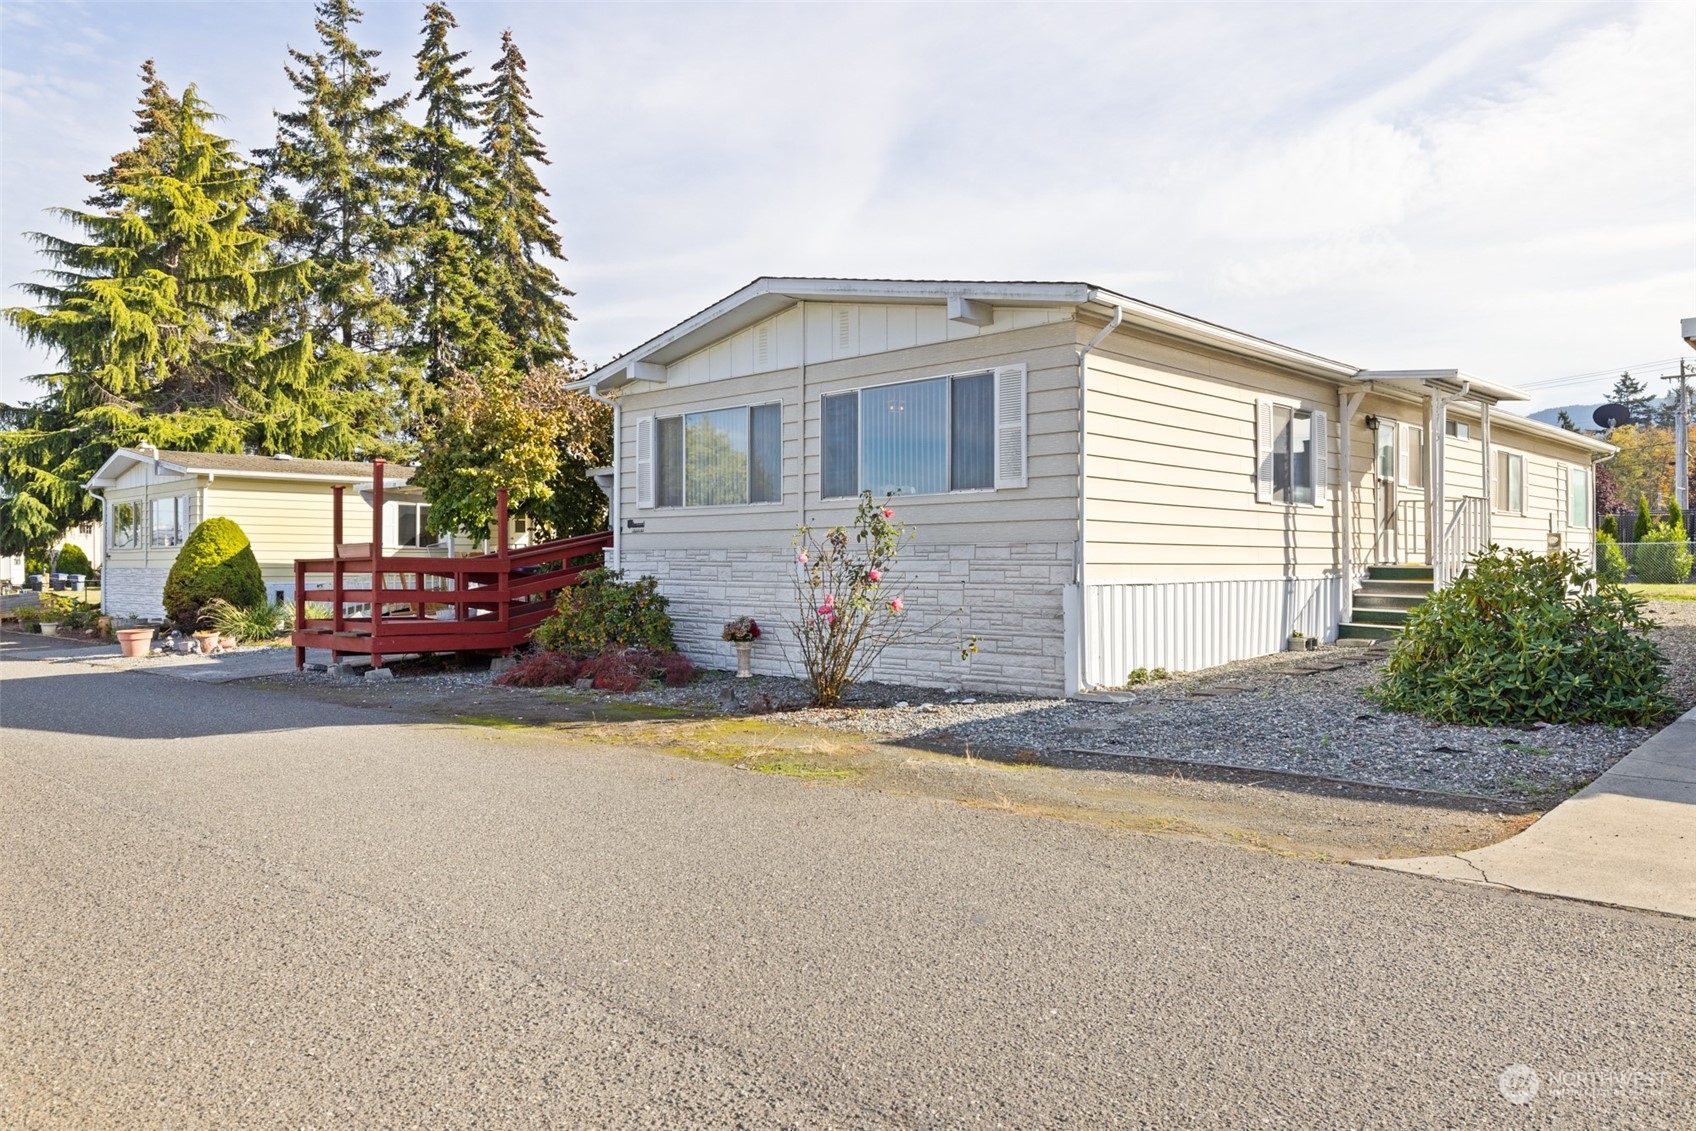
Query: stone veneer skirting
[1007,595]
[134,591]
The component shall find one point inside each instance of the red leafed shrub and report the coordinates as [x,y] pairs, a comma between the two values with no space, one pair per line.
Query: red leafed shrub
[614,669]
[542,669]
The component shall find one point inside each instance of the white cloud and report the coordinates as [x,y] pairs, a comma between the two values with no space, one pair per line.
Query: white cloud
[1500,187]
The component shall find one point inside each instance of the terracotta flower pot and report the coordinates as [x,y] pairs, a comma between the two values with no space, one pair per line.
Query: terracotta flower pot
[207,641]
[228,642]
[134,642]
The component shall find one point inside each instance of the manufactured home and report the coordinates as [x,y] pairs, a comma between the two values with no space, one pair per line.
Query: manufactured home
[151,500]
[1097,484]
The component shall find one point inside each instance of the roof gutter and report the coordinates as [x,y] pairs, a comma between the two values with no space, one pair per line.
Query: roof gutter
[1080,553]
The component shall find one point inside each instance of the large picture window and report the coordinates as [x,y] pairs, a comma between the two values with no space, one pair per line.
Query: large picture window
[721,458]
[169,525]
[916,438]
[124,529]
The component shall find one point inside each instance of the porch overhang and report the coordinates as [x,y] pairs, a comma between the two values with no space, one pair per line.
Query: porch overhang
[1445,380]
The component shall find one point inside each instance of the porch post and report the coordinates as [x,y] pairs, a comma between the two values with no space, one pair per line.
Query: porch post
[1347,404]
[376,560]
[1489,468]
[1433,484]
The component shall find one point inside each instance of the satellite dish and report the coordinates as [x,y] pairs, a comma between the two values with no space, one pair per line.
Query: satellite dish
[1612,416]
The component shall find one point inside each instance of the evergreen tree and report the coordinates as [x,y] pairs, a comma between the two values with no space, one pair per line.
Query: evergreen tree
[450,294]
[1566,421]
[149,153]
[1610,527]
[1635,396]
[1675,515]
[153,319]
[337,174]
[518,229]
[1645,521]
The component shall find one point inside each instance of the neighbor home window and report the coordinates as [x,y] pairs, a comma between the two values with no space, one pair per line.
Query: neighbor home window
[917,438]
[1387,430]
[721,458]
[125,531]
[1510,483]
[1414,457]
[170,521]
[1578,496]
[412,526]
[1459,429]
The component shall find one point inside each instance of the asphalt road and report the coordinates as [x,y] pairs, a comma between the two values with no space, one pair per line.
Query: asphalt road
[227,907]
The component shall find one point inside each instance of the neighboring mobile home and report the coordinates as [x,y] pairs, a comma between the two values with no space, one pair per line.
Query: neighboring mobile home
[1097,484]
[152,500]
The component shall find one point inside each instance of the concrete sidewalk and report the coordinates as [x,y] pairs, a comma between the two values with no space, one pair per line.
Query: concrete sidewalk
[1629,840]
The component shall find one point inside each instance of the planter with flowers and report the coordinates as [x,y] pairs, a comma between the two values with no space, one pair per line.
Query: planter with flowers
[742,632]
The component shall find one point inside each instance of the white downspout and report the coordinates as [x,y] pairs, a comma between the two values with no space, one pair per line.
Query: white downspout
[1081,550]
[614,509]
[801,438]
[1348,403]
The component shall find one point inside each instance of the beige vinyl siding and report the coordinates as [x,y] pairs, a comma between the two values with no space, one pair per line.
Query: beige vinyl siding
[285,521]
[1172,459]
[1043,511]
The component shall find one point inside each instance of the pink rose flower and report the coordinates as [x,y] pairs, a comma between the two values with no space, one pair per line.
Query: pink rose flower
[801,556]
[897,604]
[874,575]
[887,513]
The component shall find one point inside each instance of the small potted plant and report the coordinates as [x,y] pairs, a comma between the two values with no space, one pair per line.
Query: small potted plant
[1300,641]
[742,632]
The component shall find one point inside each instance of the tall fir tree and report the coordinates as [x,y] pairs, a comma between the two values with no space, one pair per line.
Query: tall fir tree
[1634,395]
[154,319]
[450,293]
[148,155]
[1566,422]
[338,175]
[519,230]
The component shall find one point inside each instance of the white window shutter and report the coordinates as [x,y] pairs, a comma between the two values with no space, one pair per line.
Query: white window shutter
[1562,483]
[1263,451]
[645,462]
[1321,458]
[1010,454]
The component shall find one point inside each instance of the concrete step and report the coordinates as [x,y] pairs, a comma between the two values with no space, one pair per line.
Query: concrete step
[1356,631]
[1396,617]
[1416,589]
[1372,599]
[1402,573]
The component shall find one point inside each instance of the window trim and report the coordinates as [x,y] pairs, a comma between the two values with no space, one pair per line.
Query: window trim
[1499,494]
[180,516]
[859,391]
[683,487]
[1393,427]
[138,532]
[1588,496]
[443,538]
[1319,451]
[1411,455]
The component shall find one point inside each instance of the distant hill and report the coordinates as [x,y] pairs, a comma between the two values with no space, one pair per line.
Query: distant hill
[1582,414]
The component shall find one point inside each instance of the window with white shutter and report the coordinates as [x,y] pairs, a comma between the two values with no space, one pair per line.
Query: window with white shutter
[1291,464]
[1010,455]
[645,462]
[1321,458]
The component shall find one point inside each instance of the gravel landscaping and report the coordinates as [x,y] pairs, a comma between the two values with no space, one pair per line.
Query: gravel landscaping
[1295,713]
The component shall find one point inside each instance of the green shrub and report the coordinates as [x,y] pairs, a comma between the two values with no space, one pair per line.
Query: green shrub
[216,560]
[1610,527]
[35,561]
[1663,557]
[1675,516]
[73,560]
[1644,524]
[1523,638]
[604,611]
[1610,559]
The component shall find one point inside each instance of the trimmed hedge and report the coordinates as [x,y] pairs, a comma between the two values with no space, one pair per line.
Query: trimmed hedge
[1610,559]
[604,611]
[73,560]
[216,561]
[1524,638]
[1663,557]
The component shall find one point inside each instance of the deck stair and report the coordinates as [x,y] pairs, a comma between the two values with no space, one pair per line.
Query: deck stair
[1382,603]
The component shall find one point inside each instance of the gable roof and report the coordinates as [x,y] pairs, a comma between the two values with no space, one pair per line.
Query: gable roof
[216,464]
[767,295]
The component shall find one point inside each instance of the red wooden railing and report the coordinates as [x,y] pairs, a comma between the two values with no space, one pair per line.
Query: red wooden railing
[402,604]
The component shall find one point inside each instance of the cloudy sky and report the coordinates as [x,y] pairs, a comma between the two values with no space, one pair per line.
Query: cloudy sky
[1508,189]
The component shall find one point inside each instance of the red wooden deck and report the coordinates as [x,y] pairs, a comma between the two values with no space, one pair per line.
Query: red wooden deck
[402,604]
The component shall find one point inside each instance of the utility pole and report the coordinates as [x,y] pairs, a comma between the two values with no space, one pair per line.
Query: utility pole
[1681,437]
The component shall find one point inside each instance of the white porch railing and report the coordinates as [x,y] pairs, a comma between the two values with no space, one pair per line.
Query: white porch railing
[1463,537]
[1402,536]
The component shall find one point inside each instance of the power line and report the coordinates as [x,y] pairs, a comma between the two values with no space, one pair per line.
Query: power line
[1596,375]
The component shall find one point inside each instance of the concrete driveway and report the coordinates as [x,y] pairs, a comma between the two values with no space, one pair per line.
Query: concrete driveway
[228,907]
[1629,839]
